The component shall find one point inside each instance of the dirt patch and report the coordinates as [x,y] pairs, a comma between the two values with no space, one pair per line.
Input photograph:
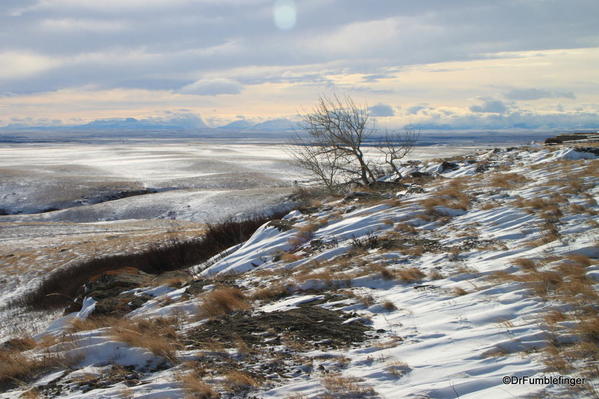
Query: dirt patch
[107,290]
[310,325]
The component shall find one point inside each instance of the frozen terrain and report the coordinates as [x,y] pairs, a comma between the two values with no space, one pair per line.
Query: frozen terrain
[478,268]
[62,203]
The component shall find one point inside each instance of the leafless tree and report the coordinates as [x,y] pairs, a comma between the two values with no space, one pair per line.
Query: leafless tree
[338,125]
[332,147]
[327,166]
[395,146]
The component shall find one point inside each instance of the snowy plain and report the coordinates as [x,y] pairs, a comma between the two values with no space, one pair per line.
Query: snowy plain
[453,331]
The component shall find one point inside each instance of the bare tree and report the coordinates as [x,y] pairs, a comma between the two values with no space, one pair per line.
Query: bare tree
[395,146]
[327,166]
[338,125]
[332,147]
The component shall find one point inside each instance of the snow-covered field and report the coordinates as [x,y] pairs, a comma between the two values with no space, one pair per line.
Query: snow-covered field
[483,270]
[62,203]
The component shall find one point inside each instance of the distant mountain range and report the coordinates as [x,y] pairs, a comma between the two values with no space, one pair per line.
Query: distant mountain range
[280,124]
[183,122]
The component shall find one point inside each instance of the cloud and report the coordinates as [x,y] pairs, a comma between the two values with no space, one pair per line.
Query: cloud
[18,65]
[510,120]
[416,108]
[234,47]
[537,94]
[213,87]
[490,106]
[83,25]
[381,110]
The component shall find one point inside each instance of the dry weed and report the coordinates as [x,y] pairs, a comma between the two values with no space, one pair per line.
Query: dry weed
[223,301]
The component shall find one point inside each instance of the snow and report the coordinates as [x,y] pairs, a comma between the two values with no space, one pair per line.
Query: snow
[455,335]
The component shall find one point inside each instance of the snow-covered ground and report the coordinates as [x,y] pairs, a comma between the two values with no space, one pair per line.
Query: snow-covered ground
[482,269]
[70,202]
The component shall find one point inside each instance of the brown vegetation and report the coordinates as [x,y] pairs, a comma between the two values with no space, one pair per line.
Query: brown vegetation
[158,335]
[61,286]
[223,301]
[507,180]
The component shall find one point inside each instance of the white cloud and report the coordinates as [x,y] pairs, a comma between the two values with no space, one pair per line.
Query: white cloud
[213,87]
[490,106]
[381,110]
[18,65]
[537,94]
[83,24]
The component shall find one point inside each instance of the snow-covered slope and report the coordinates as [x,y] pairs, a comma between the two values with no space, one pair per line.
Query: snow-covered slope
[477,269]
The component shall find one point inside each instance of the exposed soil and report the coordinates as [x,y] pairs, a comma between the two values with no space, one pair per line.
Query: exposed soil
[107,291]
[309,325]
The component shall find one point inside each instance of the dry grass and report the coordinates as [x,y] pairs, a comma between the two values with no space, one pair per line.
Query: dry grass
[580,259]
[271,292]
[20,344]
[410,274]
[385,273]
[525,264]
[289,257]
[489,205]
[405,228]
[309,227]
[237,381]
[397,368]
[17,368]
[459,291]
[416,250]
[195,388]
[159,336]
[338,386]
[390,306]
[91,323]
[223,301]
[435,275]
[507,180]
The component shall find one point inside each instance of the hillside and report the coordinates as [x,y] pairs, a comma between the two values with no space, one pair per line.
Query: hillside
[469,270]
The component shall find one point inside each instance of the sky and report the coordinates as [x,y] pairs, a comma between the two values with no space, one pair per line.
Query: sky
[460,64]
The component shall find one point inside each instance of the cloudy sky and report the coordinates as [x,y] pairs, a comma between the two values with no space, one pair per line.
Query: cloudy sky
[434,63]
